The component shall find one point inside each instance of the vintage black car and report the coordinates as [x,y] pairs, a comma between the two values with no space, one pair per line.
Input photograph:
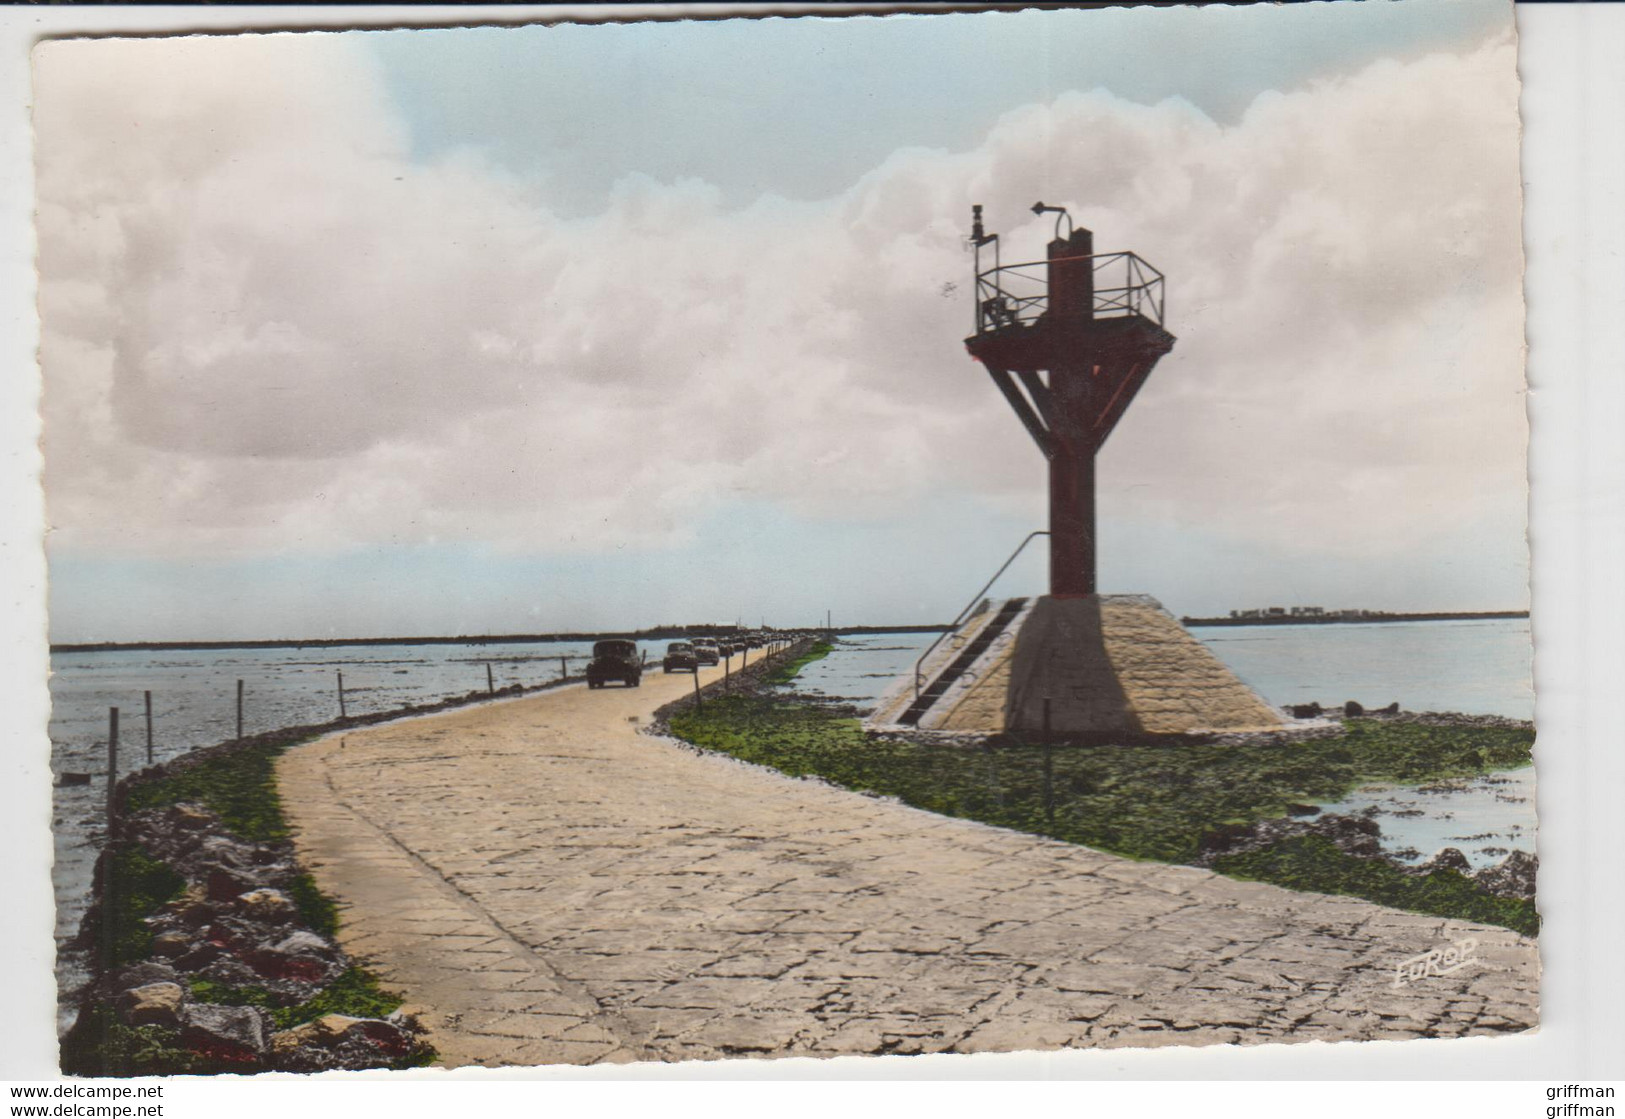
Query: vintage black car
[680,658]
[615,659]
[706,652]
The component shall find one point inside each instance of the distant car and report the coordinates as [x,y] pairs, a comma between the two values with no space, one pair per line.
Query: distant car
[680,658]
[706,652]
[615,659]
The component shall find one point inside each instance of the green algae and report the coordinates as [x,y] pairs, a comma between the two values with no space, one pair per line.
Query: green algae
[1156,801]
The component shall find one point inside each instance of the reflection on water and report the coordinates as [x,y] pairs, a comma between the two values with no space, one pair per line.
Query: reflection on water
[862,667]
[1482,817]
[1474,667]
[194,692]
[1477,668]
[194,704]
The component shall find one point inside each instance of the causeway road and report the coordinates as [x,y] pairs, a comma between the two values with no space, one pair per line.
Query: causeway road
[546,884]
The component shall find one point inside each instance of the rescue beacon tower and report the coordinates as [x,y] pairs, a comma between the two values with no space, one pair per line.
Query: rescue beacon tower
[1068,340]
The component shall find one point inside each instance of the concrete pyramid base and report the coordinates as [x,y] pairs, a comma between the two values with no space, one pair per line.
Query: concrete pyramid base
[1109,665]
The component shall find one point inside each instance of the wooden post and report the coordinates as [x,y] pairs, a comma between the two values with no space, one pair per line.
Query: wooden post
[564,669]
[147,697]
[490,680]
[239,709]
[993,774]
[727,683]
[1049,772]
[342,713]
[699,703]
[112,765]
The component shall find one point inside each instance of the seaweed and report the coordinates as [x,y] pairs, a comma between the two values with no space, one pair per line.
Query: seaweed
[1312,862]
[1146,800]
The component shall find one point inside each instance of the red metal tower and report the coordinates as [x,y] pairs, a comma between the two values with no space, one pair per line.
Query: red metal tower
[1080,332]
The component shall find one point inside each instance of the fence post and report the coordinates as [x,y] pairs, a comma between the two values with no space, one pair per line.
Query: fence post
[727,682]
[342,713]
[239,709]
[112,765]
[564,668]
[147,697]
[699,703]
[1049,772]
[490,680]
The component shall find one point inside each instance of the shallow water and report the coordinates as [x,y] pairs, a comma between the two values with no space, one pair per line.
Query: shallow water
[1472,667]
[1482,817]
[194,700]
[861,668]
[1476,668]
[194,692]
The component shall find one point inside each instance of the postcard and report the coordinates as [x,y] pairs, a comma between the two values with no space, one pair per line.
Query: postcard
[695,540]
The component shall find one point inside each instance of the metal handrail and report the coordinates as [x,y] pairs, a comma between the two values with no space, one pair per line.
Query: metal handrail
[953,626]
[1141,292]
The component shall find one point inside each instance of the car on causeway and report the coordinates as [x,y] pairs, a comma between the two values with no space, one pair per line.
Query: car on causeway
[705,652]
[615,659]
[680,658]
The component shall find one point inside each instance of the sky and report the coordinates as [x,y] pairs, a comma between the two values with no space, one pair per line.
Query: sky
[592,327]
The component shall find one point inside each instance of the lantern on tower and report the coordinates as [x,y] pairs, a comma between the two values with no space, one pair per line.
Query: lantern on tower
[1068,340]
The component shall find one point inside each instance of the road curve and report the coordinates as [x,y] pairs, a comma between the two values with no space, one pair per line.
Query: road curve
[546,884]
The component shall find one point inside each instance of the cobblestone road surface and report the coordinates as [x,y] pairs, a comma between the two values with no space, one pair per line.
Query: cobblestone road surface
[546,884]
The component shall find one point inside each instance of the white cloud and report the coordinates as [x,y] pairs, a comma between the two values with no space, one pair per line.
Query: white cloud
[268,325]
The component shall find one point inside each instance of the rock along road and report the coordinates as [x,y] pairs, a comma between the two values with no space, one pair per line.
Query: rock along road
[545,884]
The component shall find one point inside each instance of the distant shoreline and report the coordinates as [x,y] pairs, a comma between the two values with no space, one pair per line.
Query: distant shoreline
[661,633]
[667,633]
[1333,620]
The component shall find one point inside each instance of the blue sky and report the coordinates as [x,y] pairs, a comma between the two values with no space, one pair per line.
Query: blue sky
[804,107]
[556,328]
